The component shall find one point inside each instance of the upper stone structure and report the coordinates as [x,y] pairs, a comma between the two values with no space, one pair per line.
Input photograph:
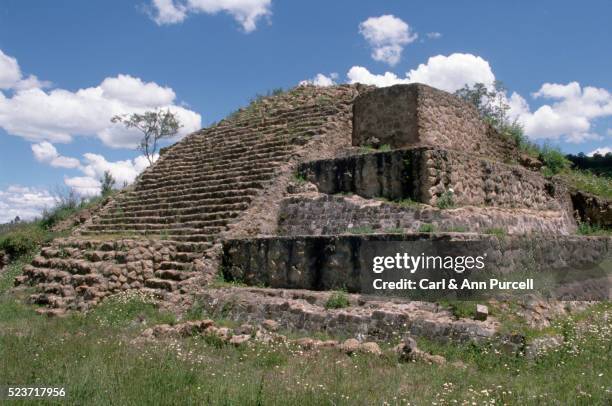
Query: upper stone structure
[414,115]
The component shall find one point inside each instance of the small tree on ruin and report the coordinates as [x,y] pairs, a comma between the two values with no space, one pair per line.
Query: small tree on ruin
[154,126]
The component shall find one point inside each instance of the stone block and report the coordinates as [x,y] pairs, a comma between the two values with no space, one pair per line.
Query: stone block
[417,114]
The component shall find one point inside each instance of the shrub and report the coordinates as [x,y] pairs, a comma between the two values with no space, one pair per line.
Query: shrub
[427,228]
[337,300]
[446,200]
[22,241]
[554,161]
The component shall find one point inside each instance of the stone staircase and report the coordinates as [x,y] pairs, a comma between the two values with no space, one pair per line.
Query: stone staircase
[162,234]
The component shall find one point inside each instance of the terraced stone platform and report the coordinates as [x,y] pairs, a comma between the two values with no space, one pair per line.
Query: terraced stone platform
[337,262]
[277,194]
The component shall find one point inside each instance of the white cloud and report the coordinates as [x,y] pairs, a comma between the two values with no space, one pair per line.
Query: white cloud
[168,12]
[11,77]
[59,115]
[321,80]
[134,91]
[246,12]
[94,166]
[10,73]
[434,35]
[443,72]
[568,117]
[601,151]
[45,152]
[387,35]
[84,185]
[25,202]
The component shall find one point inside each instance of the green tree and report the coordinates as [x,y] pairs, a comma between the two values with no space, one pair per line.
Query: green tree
[107,182]
[154,126]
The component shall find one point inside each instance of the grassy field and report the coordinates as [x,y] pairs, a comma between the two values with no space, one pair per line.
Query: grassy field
[94,358]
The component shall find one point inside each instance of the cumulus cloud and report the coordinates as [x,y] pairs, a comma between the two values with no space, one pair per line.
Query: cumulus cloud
[59,115]
[25,202]
[10,73]
[94,166]
[387,35]
[45,152]
[12,78]
[448,73]
[321,80]
[569,114]
[601,151]
[246,12]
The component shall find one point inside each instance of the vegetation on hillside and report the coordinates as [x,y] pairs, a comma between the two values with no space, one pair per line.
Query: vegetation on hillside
[22,238]
[578,171]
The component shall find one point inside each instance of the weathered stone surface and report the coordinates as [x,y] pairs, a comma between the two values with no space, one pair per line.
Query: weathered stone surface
[337,262]
[592,209]
[416,114]
[350,346]
[270,325]
[482,312]
[370,348]
[426,174]
[375,318]
[319,214]
[240,339]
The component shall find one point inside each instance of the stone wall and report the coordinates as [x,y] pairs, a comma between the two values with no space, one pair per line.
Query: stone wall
[416,114]
[338,262]
[334,214]
[78,274]
[425,174]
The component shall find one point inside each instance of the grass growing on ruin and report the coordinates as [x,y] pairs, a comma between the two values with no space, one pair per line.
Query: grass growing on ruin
[585,180]
[593,229]
[337,300]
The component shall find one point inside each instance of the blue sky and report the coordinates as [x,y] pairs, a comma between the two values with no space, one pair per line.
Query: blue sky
[206,58]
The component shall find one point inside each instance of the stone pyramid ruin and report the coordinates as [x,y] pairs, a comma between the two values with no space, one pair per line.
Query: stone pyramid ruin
[281,197]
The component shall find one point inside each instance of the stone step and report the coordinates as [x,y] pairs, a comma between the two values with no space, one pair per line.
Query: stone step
[237,189]
[198,225]
[225,183]
[188,198]
[219,218]
[225,163]
[223,177]
[162,284]
[174,275]
[155,229]
[222,211]
[219,157]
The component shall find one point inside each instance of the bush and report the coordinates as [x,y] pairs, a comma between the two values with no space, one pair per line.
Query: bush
[554,161]
[446,200]
[337,300]
[22,241]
